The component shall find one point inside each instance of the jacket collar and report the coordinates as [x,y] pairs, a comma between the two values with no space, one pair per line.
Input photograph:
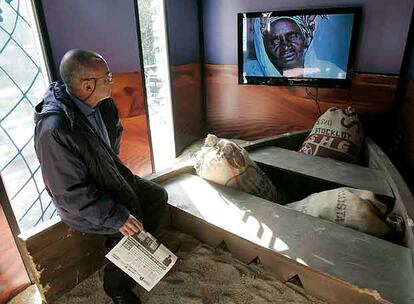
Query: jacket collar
[57,101]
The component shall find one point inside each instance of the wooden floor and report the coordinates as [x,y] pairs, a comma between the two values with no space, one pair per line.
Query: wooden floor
[13,276]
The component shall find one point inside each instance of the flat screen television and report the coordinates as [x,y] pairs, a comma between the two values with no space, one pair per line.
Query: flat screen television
[302,47]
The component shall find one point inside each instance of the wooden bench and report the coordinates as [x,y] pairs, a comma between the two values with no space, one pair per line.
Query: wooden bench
[347,254]
[328,170]
[60,258]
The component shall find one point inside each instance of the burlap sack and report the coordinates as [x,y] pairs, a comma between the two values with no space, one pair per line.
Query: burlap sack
[336,134]
[225,163]
[354,208]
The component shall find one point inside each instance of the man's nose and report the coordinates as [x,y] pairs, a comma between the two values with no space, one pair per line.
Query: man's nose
[285,43]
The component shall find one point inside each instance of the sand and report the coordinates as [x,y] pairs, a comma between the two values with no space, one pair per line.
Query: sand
[202,275]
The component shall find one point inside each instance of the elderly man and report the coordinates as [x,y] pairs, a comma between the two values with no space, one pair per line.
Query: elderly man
[77,139]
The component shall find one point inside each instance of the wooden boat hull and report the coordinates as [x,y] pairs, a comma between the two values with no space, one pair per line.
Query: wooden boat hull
[330,276]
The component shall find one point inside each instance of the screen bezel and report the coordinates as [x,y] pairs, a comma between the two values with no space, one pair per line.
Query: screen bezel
[293,81]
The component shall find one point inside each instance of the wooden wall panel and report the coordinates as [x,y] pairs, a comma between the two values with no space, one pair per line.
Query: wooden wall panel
[251,112]
[13,275]
[188,105]
[128,94]
[135,148]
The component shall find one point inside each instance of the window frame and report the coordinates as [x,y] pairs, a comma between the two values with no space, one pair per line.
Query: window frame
[42,42]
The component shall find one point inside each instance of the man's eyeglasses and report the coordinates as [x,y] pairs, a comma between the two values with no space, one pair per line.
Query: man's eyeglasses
[107,78]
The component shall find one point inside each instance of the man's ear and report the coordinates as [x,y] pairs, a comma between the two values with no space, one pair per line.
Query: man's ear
[86,85]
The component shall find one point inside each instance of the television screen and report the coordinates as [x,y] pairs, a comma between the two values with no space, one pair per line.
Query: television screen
[309,47]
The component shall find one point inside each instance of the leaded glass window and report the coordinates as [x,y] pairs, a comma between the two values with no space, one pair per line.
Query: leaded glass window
[23,81]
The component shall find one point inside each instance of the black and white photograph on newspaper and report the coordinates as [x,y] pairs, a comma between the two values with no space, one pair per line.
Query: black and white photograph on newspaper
[143,258]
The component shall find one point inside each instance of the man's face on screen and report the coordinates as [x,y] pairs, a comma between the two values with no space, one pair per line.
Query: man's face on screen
[285,45]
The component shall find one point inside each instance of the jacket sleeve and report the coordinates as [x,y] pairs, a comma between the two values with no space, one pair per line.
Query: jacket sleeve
[65,175]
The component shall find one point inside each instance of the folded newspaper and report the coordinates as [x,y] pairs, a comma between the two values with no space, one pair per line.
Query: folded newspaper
[143,258]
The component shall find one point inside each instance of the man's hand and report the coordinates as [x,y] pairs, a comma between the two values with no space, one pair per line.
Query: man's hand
[131,226]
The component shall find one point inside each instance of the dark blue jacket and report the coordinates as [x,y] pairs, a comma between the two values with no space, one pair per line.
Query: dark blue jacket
[90,187]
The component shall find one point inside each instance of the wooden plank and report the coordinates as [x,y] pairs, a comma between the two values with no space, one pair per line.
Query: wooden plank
[44,235]
[188,104]
[317,284]
[50,264]
[290,141]
[61,258]
[340,173]
[404,205]
[344,253]
[70,278]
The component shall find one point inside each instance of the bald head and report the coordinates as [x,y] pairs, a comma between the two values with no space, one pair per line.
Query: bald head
[79,64]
